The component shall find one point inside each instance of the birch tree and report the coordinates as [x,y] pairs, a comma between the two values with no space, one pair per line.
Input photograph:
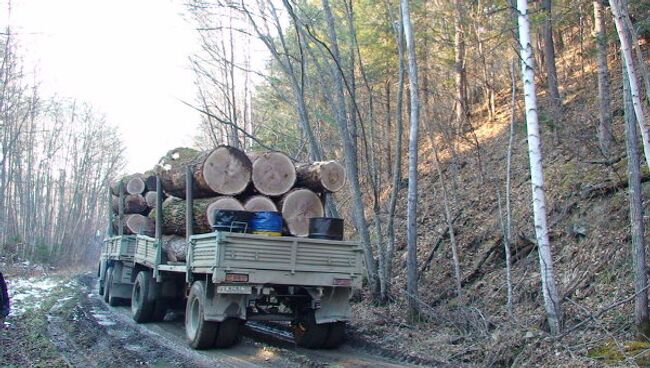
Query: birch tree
[641,318]
[619,11]
[411,227]
[549,290]
[604,99]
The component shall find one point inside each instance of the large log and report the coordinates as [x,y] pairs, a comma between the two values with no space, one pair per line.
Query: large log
[224,170]
[175,248]
[259,203]
[150,180]
[202,210]
[297,207]
[136,224]
[177,158]
[135,184]
[222,203]
[273,173]
[322,176]
[150,198]
[133,203]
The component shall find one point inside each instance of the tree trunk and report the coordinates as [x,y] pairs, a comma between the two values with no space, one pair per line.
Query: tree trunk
[203,209]
[605,126]
[462,105]
[133,203]
[411,227]
[297,207]
[551,298]
[224,170]
[150,180]
[636,215]
[176,158]
[175,248]
[136,224]
[133,184]
[324,176]
[624,37]
[150,198]
[549,55]
[273,173]
[258,203]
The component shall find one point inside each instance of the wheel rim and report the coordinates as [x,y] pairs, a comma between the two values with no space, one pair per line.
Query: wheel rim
[194,316]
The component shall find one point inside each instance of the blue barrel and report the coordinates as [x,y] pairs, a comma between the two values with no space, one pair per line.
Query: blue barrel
[266,221]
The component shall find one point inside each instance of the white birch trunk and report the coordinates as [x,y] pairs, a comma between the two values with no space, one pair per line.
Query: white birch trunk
[411,261]
[551,298]
[626,50]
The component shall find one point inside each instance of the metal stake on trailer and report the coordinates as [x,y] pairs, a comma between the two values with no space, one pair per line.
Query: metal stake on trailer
[120,231]
[189,216]
[110,231]
[159,219]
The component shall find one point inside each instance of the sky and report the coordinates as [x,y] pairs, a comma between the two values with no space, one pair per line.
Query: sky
[128,58]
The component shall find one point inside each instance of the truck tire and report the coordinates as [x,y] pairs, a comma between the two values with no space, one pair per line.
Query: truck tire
[228,333]
[142,304]
[307,333]
[201,334]
[107,285]
[335,335]
[100,284]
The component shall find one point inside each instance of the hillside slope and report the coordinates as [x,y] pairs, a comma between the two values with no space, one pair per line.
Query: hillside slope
[589,228]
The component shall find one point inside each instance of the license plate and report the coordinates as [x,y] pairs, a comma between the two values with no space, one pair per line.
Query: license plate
[234,289]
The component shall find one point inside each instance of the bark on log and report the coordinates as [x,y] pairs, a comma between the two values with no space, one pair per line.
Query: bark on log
[321,176]
[133,204]
[297,207]
[273,173]
[203,208]
[175,248]
[177,158]
[150,180]
[136,224]
[258,203]
[224,170]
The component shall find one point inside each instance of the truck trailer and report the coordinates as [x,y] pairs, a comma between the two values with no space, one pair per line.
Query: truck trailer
[229,278]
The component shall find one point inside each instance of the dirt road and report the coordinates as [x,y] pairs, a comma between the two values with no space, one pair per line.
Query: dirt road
[88,333]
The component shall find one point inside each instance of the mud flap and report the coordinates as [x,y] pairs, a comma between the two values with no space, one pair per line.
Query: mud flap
[334,305]
[218,307]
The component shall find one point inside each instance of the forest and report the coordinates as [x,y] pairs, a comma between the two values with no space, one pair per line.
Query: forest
[497,155]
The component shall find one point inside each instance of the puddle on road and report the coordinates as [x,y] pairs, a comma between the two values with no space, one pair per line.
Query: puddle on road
[102,317]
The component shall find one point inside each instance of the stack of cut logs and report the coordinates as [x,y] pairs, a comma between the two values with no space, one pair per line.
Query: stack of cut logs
[229,179]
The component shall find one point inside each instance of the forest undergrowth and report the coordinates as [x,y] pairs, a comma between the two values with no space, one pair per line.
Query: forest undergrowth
[588,213]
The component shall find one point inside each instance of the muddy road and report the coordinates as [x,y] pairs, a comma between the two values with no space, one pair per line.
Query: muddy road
[89,333]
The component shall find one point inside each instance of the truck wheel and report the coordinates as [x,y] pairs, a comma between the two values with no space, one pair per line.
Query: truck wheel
[141,304]
[228,333]
[112,300]
[200,333]
[107,283]
[335,335]
[307,333]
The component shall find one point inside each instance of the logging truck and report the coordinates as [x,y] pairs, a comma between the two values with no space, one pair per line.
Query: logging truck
[229,278]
